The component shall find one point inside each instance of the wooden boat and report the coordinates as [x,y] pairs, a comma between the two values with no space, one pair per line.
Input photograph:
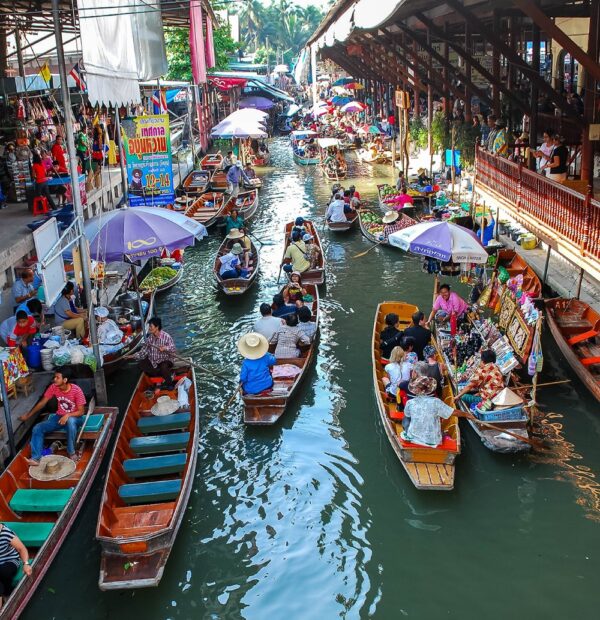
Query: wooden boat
[147,488]
[218,181]
[266,409]
[42,513]
[351,220]
[236,286]
[246,203]
[299,156]
[211,161]
[165,286]
[516,265]
[208,208]
[305,161]
[365,155]
[430,469]
[364,229]
[196,182]
[316,275]
[576,327]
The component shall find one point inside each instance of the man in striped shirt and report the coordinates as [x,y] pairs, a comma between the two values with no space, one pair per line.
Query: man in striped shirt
[157,353]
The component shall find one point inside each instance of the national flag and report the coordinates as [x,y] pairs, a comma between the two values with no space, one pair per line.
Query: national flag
[77,74]
[159,101]
[45,73]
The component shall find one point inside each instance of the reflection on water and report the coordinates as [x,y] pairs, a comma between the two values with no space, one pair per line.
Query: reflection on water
[315,517]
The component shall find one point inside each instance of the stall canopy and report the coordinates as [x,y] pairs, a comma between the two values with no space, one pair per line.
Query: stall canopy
[226,83]
[269,91]
[260,103]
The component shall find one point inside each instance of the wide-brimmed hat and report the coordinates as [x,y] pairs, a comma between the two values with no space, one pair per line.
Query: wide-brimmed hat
[52,467]
[101,312]
[390,216]
[238,164]
[253,346]
[524,136]
[237,249]
[422,386]
[506,399]
[235,233]
[165,405]
[421,170]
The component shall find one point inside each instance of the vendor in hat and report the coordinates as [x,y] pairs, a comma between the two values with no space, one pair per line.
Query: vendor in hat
[255,375]
[485,383]
[239,237]
[108,331]
[422,178]
[394,222]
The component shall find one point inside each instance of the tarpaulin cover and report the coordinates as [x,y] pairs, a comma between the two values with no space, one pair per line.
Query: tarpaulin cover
[149,40]
[223,83]
[197,43]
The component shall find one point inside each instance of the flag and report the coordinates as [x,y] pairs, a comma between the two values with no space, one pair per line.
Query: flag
[159,102]
[45,73]
[77,74]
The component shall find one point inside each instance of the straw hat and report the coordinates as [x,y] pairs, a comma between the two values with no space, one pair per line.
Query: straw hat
[234,233]
[165,405]
[421,171]
[422,386]
[52,467]
[506,399]
[237,249]
[389,217]
[182,200]
[253,346]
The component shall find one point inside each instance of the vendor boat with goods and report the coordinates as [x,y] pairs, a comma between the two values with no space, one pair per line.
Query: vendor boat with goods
[149,482]
[316,273]
[160,275]
[208,208]
[40,504]
[268,406]
[429,468]
[196,182]
[374,225]
[391,198]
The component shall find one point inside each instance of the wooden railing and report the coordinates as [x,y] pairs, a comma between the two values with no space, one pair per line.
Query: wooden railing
[568,214]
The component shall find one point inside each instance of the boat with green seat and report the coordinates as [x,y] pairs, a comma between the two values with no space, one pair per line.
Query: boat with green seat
[147,488]
[41,513]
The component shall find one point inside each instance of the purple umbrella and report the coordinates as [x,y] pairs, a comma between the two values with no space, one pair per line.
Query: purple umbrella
[260,103]
[140,233]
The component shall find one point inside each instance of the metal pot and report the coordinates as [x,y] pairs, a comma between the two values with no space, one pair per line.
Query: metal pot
[117,312]
[127,300]
[136,322]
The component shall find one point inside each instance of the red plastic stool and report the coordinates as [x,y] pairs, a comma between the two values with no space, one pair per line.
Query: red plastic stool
[40,205]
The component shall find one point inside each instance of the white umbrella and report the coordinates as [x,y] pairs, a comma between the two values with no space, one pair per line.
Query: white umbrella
[441,240]
[238,128]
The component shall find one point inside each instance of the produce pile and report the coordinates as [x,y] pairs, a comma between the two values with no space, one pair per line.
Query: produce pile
[372,223]
[157,277]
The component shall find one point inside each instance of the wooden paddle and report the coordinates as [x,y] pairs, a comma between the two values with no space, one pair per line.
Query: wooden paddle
[372,247]
[91,408]
[535,443]
[525,387]
[228,404]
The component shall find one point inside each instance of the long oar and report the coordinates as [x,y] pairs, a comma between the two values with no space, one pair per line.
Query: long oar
[371,248]
[539,385]
[228,404]
[91,408]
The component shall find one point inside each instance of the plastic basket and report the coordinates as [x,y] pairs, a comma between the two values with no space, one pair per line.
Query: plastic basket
[501,415]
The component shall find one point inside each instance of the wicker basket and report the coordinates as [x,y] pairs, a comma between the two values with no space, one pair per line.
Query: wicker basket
[501,415]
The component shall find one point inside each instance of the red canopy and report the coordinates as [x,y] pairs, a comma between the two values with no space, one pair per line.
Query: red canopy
[226,83]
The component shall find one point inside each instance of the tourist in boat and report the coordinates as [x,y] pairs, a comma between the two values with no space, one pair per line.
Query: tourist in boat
[424,412]
[337,210]
[312,250]
[255,374]
[230,264]
[157,354]
[434,369]
[485,382]
[393,371]
[354,193]
[110,336]
[391,335]
[268,324]
[249,172]
[294,291]
[447,303]
[240,237]
[299,225]
[69,412]
[295,257]
[13,553]
[305,325]
[280,308]
[289,338]
[67,314]
[235,174]
[419,332]
[234,220]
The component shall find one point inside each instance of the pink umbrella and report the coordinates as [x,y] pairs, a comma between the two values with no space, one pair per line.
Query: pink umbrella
[353,106]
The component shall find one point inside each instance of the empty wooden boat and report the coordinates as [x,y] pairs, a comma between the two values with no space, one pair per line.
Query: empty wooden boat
[211,161]
[429,469]
[147,487]
[351,219]
[42,513]
[267,408]
[218,181]
[196,182]
[246,203]
[315,275]
[236,286]
[576,327]
[208,208]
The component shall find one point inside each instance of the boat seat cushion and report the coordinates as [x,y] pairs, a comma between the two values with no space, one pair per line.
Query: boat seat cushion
[32,534]
[160,424]
[152,444]
[40,500]
[93,424]
[155,465]
[150,492]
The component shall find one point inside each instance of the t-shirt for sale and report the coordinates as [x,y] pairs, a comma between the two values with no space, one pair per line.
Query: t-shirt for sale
[69,401]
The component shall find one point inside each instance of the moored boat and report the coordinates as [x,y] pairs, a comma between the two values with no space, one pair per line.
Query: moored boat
[42,513]
[351,220]
[147,488]
[516,265]
[211,161]
[266,408]
[246,203]
[428,468]
[316,274]
[576,327]
[196,182]
[208,208]
[236,286]
[218,181]
[299,150]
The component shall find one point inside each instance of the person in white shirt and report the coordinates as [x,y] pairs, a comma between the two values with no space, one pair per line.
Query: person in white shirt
[335,210]
[268,324]
[544,153]
[230,265]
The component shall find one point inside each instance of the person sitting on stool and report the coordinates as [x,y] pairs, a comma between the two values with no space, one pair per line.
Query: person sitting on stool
[157,353]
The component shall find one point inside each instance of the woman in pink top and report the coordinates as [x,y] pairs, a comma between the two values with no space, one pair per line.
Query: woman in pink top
[448,302]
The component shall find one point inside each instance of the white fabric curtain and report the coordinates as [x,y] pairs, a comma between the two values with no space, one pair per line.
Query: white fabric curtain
[369,14]
[343,26]
[149,40]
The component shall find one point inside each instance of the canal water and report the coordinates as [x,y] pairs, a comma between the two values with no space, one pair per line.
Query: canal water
[315,518]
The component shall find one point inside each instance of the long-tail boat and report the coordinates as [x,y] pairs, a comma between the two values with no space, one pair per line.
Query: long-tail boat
[351,220]
[147,487]
[314,275]
[42,513]
[196,182]
[208,208]
[246,203]
[211,161]
[430,469]
[265,409]
[576,327]
[236,286]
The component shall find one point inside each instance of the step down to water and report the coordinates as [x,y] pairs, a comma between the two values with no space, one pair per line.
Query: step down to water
[153,444]
[161,424]
[150,492]
[155,465]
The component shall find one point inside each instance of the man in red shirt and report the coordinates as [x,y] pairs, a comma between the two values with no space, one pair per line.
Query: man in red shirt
[69,412]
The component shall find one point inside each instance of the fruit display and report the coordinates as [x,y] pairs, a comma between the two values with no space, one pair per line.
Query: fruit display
[372,222]
[157,277]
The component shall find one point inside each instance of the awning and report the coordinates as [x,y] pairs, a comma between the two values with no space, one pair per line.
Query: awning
[226,83]
[270,91]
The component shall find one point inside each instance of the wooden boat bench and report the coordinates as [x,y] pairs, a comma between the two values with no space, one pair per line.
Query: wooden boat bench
[90,431]
[151,466]
[160,424]
[154,444]
[592,333]
[40,500]
[33,534]
[150,492]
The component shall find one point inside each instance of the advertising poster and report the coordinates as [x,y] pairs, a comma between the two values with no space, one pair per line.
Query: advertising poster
[147,144]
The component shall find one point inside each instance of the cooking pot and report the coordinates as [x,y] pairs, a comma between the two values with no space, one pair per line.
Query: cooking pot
[127,300]
[117,312]
[136,322]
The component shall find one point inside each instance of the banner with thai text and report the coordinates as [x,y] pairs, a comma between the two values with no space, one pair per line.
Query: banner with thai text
[147,144]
